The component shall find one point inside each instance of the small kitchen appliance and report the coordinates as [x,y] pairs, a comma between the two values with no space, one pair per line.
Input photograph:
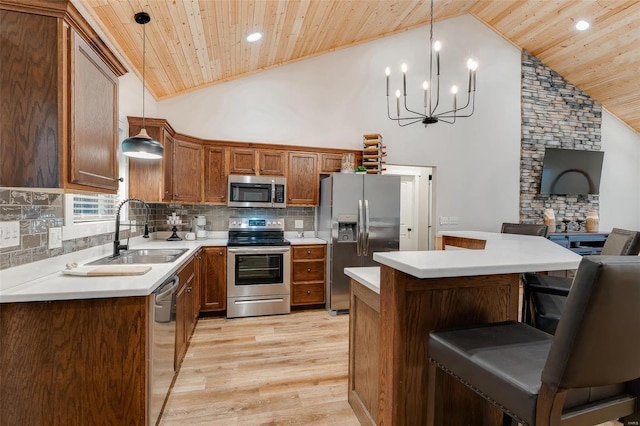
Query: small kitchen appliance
[258,268]
[198,225]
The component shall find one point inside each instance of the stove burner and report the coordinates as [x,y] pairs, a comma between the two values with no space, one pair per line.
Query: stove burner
[256,232]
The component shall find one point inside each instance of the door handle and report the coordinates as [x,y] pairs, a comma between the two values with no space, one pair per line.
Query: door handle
[359,229]
[366,227]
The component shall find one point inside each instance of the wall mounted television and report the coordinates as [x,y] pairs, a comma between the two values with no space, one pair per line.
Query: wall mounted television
[571,172]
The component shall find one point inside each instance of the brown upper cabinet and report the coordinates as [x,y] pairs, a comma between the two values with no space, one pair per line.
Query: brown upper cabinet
[330,163]
[255,161]
[195,170]
[216,170]
[187,171]
[272,163]
[242,161]
[303,185]
[62,128]
[152,180]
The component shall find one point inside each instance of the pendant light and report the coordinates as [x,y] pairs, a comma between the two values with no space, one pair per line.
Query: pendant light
[142,145]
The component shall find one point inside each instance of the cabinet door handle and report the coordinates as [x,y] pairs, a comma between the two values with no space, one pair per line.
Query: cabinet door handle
[220,253]
[189,289]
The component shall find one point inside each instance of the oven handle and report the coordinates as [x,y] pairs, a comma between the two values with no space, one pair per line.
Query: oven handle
[258,250]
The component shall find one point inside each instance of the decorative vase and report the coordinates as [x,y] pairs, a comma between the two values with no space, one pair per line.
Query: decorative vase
[550,219]
[592,221]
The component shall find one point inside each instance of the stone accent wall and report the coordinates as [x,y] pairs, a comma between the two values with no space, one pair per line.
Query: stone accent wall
[554,114]
[39,211]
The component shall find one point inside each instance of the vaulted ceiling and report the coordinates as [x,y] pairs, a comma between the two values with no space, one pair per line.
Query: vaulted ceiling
[195,43]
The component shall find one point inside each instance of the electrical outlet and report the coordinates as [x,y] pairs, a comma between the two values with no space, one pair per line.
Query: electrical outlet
[9,234]
[453,220]
[299,224]
[55,238]
[444,220]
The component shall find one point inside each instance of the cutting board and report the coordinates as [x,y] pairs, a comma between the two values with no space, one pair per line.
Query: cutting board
[108,271]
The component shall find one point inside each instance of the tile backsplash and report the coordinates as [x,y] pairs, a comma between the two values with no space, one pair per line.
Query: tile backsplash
[37,211]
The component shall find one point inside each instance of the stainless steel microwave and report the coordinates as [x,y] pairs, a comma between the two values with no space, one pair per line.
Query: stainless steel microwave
[257,191]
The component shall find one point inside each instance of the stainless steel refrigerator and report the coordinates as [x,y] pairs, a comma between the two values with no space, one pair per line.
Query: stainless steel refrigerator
[359,215]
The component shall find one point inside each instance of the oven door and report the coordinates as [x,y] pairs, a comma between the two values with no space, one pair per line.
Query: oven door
[258,271]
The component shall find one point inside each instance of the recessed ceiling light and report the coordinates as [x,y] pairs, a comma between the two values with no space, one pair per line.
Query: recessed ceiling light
[254,37]
[582,25]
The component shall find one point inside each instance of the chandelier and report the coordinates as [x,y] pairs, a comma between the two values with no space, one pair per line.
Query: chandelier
[430,114]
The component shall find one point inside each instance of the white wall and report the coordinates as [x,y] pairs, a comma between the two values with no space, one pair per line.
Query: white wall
[333,99]
[620,181]
[130,98]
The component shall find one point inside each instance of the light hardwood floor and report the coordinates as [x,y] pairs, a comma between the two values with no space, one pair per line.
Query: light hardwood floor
[273,370]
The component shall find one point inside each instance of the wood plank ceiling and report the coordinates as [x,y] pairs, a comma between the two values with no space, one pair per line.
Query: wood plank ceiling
[195,43]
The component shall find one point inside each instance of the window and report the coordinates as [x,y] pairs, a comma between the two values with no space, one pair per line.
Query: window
[94,207]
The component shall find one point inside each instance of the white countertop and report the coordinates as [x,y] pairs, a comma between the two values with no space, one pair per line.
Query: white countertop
[503,254]
[43,280]
[369,276]
[305,241]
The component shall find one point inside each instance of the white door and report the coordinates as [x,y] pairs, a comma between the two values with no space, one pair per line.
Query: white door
[408,200]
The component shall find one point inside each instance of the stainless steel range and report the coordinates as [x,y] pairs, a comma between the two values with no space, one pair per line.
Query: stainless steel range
[258,268]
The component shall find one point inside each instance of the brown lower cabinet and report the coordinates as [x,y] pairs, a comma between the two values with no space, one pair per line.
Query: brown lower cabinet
[186,315]
[85,362]
[74,362]
[213,288]
[307,275]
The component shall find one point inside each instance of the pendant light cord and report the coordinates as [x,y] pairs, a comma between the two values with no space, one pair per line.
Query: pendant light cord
[144,50]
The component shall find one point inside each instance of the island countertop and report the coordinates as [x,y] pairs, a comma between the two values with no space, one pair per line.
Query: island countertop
[503,254]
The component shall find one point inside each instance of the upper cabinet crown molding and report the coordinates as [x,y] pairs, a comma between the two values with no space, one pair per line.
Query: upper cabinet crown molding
[66,10]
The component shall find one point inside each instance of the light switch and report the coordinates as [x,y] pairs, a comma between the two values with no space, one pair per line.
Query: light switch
[55,238]
[444,220]
[299,224]
[9,234]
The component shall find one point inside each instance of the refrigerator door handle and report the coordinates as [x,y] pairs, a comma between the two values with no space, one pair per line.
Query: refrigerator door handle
[365,242]
[359,237]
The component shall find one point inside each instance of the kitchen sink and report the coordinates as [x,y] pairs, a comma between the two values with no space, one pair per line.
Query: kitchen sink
[133,257]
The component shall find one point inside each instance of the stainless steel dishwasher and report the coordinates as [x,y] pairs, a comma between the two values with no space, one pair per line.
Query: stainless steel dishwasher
[162,345]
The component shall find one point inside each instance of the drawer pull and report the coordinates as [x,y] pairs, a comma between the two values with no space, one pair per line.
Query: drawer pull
[308,291]
[308,251]
[308,269]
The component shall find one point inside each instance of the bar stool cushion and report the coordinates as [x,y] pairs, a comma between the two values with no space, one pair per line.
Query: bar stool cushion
[505,360]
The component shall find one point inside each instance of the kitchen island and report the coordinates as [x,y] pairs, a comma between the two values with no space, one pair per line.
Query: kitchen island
[395,306]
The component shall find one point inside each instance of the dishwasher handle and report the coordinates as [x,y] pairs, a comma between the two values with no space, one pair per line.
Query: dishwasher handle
[166,295]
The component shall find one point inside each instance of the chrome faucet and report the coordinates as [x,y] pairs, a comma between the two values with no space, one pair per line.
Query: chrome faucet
[116,238]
